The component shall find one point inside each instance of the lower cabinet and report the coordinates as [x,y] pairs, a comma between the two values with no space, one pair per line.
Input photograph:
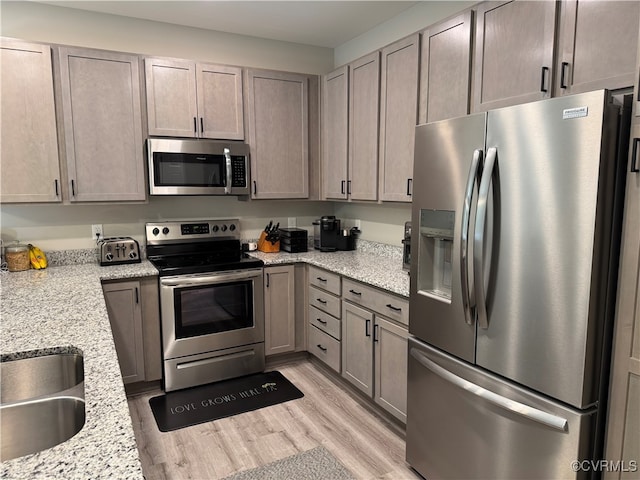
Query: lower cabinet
[279,309]
[133,311]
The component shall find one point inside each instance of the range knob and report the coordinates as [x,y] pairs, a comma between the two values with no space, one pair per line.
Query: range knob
[224,228]
[215,228]
[132,255]
[155,231]
[232,227]
[165,230]
[109,256]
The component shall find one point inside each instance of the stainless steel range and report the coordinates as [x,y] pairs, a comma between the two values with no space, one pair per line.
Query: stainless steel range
[211,302]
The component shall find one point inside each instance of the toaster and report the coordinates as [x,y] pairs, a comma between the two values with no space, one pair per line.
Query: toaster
[118,251]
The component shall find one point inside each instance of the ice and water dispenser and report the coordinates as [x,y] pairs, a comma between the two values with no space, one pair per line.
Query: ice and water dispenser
[435,253]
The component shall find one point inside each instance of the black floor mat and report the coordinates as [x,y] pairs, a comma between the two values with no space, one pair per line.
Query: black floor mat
[205,403]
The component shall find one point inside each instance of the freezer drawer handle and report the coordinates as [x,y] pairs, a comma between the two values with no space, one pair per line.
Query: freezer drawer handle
[467,302]
[478,240]
[531,413]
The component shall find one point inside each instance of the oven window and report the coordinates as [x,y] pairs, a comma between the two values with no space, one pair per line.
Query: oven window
[188,170]
[213,308]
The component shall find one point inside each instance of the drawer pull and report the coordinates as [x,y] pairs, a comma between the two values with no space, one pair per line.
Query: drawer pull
[395,309]
[355,293]
[321,279]
[321,348]
[324,322]
[367,324]
[324,302]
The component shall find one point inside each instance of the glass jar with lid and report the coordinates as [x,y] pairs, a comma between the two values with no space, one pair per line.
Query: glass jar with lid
[17,257]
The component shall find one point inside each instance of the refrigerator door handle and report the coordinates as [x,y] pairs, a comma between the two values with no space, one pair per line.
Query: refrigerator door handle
[478,240]
[467,303]
[527,411]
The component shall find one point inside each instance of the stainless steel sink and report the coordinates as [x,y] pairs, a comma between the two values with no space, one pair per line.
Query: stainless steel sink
[41,403]
[34,377]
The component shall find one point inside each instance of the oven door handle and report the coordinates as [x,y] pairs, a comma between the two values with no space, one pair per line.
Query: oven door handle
[184,281]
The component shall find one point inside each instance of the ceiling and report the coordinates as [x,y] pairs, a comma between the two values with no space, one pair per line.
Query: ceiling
[318,23]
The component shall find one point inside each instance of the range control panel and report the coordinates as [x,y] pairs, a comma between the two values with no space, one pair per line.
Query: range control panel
[192,231]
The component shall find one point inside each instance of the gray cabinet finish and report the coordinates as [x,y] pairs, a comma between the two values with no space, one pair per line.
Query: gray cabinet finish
[278,127]
[445,69]
[198,100]
[279,309]
[364,112]
[597,45]
[152,342]
[513,53]
[357,347]
[125,316]
[102,123]
[335,136]
[390,353]
[28,141]
[398,118]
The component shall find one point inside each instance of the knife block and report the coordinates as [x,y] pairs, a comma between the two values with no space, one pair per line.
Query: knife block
[266,246]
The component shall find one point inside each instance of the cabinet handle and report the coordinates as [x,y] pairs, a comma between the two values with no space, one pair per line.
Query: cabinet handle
[634,156]
[543,77]
[201,125]
[56,185]
[409,185]
[563,71]
[321,279]
[268,280]
[348,187]
[137,296]
[195,125]
[342,187]
[367,326]
[324,302]
[375,333]
[321,348]
[395,309]
[355,293]
[73,188]
[324,322]
[255,187]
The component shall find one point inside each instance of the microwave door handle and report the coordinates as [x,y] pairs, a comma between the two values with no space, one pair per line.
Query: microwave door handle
[467,301]
[227,180]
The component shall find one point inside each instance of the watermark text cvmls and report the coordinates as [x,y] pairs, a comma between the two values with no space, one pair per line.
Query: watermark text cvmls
[604,466]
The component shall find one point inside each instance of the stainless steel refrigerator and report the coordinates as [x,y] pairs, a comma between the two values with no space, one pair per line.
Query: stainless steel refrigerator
[516,218]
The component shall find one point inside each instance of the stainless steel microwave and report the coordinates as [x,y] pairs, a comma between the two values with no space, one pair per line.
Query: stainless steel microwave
[197,167]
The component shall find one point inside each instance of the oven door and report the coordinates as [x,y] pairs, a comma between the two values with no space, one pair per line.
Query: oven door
[206,312]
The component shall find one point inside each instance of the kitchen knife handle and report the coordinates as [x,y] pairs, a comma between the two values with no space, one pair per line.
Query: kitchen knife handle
[505,403]
[634,156]
[563,73]
[543,78]
[478,240]
[472,180]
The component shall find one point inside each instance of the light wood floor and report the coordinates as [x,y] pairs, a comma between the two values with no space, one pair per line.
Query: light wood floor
[367,444]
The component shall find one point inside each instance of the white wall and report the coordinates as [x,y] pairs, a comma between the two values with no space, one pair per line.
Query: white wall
[379,223]
[412,20]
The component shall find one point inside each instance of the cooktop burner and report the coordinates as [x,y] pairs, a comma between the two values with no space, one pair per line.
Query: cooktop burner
[188,264]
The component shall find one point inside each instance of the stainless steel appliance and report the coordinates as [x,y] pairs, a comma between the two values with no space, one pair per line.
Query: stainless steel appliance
[325,235]
[118,251]
[211,302]
[197,167]
[513,274]
[406,247]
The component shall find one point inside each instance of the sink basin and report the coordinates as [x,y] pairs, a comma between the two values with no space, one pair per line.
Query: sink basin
[34,425]
[34,377]
[41,403]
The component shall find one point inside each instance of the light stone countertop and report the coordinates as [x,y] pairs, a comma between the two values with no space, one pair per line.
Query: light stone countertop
[62,309]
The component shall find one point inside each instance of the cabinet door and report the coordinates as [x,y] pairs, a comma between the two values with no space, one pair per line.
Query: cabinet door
[278,134]
[357,347]
[219,93]
[125,316]
[445,69]
[171,97]
[364,112]
[398,118]
[598,45]
[335,133]
[513,53]
[279,310]
[28,142]
[391,367]
[102,125]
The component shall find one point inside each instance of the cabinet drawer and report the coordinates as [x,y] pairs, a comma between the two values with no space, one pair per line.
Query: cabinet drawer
[325,322]
[324,301]
[325,347]
[326,280]
[387,304]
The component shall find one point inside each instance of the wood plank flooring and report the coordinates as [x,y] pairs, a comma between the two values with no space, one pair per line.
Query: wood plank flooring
[367,444]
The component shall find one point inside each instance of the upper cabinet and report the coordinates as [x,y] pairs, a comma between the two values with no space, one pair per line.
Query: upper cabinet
[398,118]
[335,133]
[101,124]
[278,125]
[28,142]
[597,45]
[513,53]
[188,99]
[445,69]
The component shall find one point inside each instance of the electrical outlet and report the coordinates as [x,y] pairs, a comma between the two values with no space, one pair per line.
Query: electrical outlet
[96,231]
[291,222]
[357,223]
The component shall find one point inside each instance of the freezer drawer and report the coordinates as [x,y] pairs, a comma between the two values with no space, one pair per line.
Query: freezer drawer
[465,423]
